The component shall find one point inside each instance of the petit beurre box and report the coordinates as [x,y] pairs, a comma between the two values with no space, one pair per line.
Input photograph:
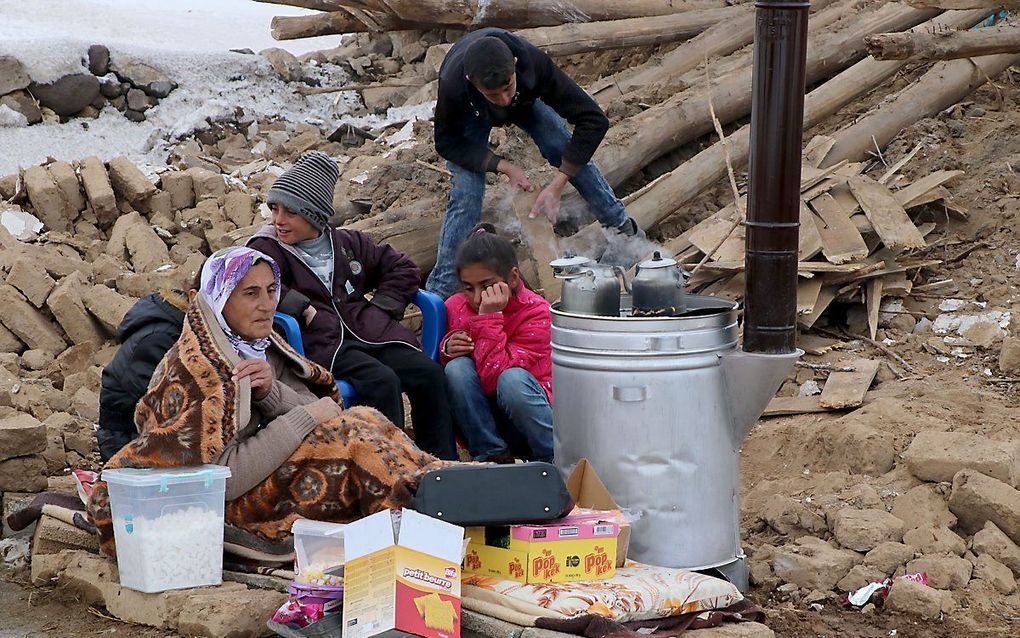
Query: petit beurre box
[402,576]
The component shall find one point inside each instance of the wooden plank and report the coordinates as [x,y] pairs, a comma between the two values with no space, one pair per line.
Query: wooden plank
[804,268]
[906,196]
[787,406]
[841,241]
[896,285]
[825,297]
[816,345]
[707,235]
[812,177]
[824,187]
[734,288]
[817,149]
[886,214]
[852,169]
[934,195]
[898,165]
[810,241]
[847,389]
[845,199]
[807,295]
[874,299]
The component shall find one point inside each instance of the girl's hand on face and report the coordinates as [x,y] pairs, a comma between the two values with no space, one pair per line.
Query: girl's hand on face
[459,344]
[494,298]
[261,375]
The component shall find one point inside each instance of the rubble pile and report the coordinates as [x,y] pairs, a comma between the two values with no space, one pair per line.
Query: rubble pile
[951,511]
[111,236]
[128,86]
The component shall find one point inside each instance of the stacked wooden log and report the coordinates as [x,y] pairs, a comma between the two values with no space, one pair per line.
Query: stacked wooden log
[352,16]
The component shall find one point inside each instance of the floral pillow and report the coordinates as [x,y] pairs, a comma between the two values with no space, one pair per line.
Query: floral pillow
[637,592]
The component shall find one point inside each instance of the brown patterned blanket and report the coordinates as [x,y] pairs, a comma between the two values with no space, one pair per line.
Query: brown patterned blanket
[348,467]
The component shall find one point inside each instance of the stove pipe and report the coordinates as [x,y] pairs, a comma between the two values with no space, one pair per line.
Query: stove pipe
[773,198]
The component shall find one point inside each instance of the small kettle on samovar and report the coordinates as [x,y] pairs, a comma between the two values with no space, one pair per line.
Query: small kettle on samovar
[589,288]
[657,289]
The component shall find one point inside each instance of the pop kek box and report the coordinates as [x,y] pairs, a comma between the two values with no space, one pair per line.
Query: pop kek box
[574,549]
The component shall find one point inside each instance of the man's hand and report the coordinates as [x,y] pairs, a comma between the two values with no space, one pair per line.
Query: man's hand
[518,178]
[308,314]
[459,344]
[260,374]
[548,202]
[494,298]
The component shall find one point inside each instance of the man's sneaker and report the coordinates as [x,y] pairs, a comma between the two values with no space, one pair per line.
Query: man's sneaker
[630,228]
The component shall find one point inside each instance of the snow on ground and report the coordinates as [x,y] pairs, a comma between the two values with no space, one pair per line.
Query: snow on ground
[189,40]
[181,25]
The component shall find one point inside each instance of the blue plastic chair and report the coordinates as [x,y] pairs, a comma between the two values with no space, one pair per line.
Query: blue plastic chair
[433,313]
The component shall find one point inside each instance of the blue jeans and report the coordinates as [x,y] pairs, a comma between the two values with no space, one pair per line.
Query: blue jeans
[464,206]
[517,420]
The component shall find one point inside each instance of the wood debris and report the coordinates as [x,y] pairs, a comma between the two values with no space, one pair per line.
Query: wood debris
[861,240]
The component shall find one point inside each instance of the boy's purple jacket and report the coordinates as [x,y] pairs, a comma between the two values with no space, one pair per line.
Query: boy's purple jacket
[390,274]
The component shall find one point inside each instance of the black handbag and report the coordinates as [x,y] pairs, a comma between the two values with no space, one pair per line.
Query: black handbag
[485,495]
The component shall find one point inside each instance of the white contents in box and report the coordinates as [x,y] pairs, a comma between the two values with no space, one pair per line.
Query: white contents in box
[185,556]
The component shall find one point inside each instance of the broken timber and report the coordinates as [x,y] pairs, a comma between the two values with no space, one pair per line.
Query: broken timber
[944,45]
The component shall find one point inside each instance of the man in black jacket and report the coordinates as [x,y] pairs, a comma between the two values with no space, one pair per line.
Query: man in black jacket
[493,78]
[147,332]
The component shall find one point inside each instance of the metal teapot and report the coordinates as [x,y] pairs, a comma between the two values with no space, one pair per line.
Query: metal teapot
[658,287]
[589,288]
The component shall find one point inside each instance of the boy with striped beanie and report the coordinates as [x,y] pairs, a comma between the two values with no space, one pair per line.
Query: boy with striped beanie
[328,275]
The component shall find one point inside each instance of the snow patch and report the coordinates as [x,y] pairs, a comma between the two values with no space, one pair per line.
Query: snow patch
[21,225]
[9,118]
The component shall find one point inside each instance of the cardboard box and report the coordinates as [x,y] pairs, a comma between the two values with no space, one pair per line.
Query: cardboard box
[589,492]
[575,549]
[402,576]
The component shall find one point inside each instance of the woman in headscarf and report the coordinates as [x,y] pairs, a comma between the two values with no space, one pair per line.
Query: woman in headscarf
[231,392]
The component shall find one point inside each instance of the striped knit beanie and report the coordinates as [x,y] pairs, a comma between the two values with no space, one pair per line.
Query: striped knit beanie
[307,188]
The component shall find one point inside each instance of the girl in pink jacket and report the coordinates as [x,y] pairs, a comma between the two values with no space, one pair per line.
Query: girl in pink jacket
[497,355]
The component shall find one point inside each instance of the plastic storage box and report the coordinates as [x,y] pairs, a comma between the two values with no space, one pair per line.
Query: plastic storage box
[319,549]
[168,526]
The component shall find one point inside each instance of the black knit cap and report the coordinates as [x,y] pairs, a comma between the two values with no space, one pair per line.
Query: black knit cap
[489,62]
[307,188]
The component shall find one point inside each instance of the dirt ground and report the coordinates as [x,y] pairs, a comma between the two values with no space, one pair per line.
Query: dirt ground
[30,611]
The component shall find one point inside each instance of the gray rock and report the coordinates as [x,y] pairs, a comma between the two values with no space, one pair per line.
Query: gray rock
[944,571]
[136,100]
[68,95]
[284,63]
[134,116]
[916,599]
[160,89]
[864,530]
[23,103]
[119,102]
[889,556]
[812,563]
[99,60]
[12,75]
[110,90]
[149,79]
